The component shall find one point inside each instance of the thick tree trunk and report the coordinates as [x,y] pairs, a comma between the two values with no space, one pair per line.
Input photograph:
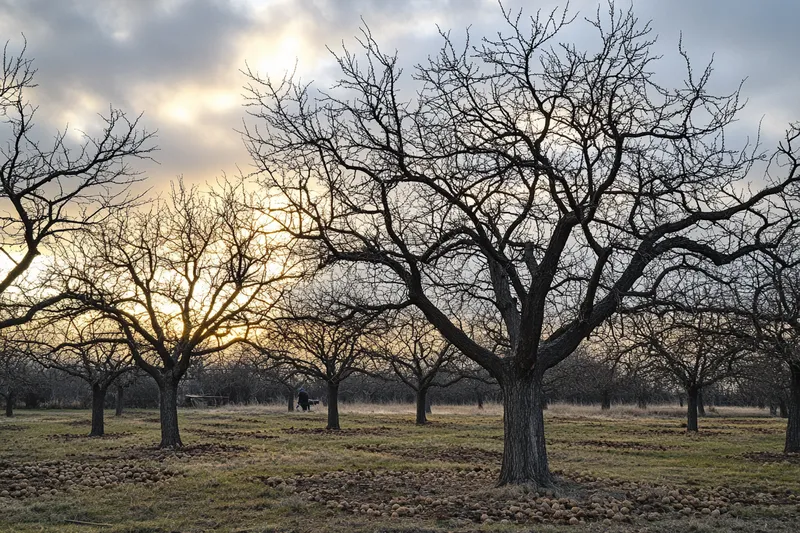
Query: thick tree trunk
[783,409]
[120,405]
[422,405]
[168,405]
[524,449]
[605,401]
[98,411]
[793,424]
[692,393]
[10,405]
[333,406]
[701,405]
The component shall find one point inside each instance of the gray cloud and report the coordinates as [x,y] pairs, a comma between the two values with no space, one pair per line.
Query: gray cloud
[171,58]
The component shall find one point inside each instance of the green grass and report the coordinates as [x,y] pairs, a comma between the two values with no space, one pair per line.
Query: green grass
[226,491]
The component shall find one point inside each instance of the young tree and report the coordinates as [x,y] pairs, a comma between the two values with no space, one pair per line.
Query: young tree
[89,348]
[536,181]
[419,357]
[15,369]
[185,278]
[320,342]
[694,349]
[49,191]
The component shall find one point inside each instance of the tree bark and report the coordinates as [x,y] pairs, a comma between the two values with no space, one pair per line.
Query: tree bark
[10,405]
[524,449]
[290,395]
[605,401]
[98,410]
[701,405]
[168,405]
[422,405]
[120,405]
[783,408]
[333,405]
[692,394]
[793,424]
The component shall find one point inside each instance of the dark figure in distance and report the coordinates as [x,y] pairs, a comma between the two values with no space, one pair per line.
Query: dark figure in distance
[302,399]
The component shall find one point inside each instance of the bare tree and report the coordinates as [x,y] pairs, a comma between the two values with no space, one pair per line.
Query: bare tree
[420,358]
[772,300]
[86,347]
[51,190]
[320,341]
[695,350]
[15,369]
[523,178]
[186,278]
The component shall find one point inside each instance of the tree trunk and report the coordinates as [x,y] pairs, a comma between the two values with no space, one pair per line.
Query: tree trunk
[692,393]
[524,449]
[480,399]
[10,405]
[290,395]
[333,405]
[605,401]
[120,401]
[427,404]
[168,405]
[701,405]
[98,411]
[641,402]
[783,408]
[793,424]
[422,405]
[680,400]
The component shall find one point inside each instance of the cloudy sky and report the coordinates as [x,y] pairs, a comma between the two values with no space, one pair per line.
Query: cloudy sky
[179,61]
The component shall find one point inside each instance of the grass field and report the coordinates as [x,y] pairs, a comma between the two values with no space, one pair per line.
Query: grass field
[259,469]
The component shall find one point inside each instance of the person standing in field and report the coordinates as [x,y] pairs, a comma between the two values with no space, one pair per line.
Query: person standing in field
[302,399]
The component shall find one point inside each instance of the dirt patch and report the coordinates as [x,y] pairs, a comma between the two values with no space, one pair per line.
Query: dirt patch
[12,427]
[67,437]
[187,452]
[232,435]
[769,457]
[617,445]
[469,494]
[452,454]
[27,480]
[347,432]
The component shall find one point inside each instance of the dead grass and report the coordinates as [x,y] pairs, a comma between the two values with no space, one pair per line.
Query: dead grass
[219,482]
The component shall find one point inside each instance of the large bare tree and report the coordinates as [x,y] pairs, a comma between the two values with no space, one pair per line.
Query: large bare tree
[187,277]
[49,189]
[520,177]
